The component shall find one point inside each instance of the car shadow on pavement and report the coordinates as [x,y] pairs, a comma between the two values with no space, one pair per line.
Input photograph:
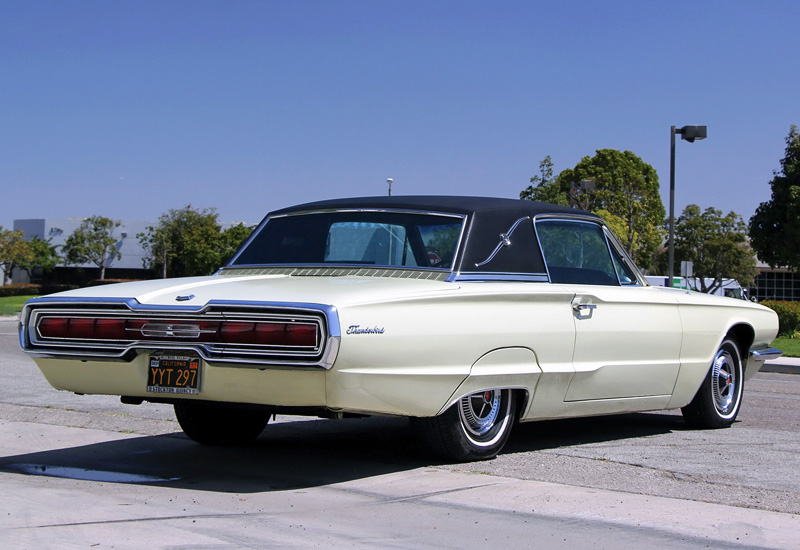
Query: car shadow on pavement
[302,454]
[552,434]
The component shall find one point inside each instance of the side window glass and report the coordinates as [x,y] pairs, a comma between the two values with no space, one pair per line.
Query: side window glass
[576,253]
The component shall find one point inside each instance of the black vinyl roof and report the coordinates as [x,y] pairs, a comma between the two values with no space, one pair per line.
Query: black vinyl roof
[438,203]
[487,218]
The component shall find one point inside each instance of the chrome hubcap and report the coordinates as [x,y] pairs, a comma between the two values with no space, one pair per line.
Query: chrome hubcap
[480,411]
[723,382]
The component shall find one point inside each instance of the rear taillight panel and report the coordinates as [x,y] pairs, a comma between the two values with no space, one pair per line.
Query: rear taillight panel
[253,335]
[270,333]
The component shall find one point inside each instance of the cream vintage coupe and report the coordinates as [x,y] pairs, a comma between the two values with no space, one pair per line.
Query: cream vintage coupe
[465,314]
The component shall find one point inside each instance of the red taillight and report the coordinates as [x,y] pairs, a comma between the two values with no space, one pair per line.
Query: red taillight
[53,327]
[280,334]
[110,329]
[301,335]
[236,332]
[269,334]
[81,327]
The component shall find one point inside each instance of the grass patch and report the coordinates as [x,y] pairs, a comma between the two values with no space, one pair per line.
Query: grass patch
[789,346]
[10,305]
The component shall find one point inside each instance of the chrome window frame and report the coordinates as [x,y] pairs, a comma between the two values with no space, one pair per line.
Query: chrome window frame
[617,247]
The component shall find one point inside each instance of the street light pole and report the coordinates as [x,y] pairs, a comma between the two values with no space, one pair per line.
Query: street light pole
[671,205]
[689,133]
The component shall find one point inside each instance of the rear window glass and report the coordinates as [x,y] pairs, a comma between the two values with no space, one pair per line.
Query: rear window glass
[356,238]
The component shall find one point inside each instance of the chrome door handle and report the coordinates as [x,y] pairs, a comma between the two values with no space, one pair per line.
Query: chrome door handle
[582,307]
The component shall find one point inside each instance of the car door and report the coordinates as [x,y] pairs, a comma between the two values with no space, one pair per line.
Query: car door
[627,336]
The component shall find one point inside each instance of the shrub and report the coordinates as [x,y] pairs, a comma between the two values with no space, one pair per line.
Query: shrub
[788,316]
[30,289]
[20,289]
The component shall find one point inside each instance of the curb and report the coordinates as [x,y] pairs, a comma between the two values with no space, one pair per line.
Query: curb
[783,365]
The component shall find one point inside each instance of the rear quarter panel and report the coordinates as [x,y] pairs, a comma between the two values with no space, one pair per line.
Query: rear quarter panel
[408,356]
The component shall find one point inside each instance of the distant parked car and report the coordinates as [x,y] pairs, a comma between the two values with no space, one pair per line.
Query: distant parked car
[465,314]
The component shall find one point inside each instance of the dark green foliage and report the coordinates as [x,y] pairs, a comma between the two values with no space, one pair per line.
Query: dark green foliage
[546,188]
[28,289]
[716,245]
[93,242]
[618,186]
[16,252]
[788,317]
[189,242]
[775,228]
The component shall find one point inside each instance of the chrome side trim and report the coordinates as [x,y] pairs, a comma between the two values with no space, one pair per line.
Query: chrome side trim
[226,355]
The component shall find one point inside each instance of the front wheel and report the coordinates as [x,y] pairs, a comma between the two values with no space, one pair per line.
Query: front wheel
[476,427]
[717,402]
[220,423]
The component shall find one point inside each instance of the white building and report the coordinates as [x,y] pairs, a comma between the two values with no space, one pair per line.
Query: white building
[56,231]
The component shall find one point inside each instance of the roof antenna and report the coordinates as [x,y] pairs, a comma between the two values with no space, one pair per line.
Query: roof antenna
[389,181]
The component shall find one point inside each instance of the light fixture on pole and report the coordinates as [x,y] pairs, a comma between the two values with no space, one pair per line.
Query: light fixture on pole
[389,181]
[688,133]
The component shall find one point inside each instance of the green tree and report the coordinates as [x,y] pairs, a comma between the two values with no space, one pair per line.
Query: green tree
[775,227]
[42,255]
[184,243]
[93,242]
[231,239]
[545,187]
[617,185]
[14,252]
[716,245]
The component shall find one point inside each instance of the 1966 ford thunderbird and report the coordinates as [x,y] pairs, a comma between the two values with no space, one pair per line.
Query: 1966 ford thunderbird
[465,314]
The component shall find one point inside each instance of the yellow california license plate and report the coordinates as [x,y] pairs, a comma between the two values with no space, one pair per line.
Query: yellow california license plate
[174,374]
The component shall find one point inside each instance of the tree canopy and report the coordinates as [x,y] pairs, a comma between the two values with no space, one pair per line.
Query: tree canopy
[716,245]
[188,242]
[546,188]
[42,255]
[93,242]
[618,186]
[14,252]
[775,227]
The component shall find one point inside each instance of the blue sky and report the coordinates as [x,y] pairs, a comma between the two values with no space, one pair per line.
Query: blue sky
[127,109]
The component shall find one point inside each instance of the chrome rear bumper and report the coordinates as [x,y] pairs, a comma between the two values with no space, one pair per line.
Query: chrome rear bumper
[762,355]
[757,358]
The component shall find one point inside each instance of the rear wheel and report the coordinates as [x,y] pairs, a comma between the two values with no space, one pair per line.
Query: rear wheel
[220,423]
[719,398]
[474,428]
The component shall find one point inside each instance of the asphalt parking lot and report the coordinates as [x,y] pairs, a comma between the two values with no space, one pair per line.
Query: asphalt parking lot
[80,471]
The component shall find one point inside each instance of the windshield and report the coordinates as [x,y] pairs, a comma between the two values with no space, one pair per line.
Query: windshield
[394,239]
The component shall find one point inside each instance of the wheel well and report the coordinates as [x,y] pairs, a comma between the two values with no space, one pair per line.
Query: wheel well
[743,335]
[521,397]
